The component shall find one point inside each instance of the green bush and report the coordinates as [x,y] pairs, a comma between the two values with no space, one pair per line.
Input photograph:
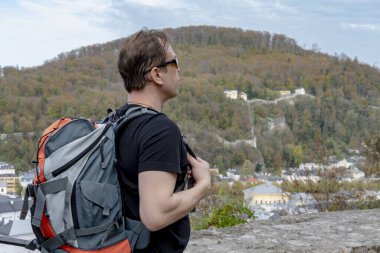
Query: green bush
[365,204]
[230,215]
[224,207]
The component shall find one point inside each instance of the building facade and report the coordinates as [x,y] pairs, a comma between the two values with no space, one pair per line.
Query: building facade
[265,194]
[3,188]
[6,168]
[11,181]
[234,94]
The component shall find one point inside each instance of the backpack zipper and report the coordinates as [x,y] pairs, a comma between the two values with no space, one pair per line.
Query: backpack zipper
[101,147]
[66,166]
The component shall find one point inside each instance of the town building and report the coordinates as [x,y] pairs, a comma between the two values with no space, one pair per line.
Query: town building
[17,228]
[234,94]
[26,178]
[265,194]
[354,173]
[300,91]
[3,188]
[6,168]
[233,174]
[12,226]
[20,229]
[310,166]
[10,208]
[284,93]
[305,172]
[250,180]
[267,177]
[343,163]
[12,182]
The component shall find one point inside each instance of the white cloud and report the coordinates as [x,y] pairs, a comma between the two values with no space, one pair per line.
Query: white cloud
[39,30]
[167,4]
[266,9]
[368,27]
[90,10]
[283,7]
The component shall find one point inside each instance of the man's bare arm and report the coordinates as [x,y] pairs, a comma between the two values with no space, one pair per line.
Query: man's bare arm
[159,206]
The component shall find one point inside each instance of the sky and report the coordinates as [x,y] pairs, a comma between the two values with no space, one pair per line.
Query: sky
[33,31]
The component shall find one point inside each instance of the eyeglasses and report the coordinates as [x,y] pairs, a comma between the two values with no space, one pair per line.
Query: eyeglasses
[171,62]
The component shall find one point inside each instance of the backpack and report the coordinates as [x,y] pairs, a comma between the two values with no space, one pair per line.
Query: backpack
[77,206]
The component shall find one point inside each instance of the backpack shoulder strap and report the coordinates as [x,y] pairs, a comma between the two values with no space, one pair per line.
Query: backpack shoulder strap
[130,114]
[120,124]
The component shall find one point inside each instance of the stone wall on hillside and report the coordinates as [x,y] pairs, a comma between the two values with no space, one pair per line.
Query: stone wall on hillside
[340,232]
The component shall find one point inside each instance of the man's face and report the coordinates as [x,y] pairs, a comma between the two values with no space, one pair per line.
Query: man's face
[171,76]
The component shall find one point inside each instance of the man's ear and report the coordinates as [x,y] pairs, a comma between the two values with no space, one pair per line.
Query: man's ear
[155,76]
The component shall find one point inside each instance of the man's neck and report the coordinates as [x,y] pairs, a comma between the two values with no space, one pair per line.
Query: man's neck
[145,100]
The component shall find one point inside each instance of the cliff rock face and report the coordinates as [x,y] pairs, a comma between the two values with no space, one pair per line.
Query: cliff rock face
[341,232]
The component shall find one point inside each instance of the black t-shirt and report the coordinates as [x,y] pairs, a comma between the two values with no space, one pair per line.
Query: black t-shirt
[153,143]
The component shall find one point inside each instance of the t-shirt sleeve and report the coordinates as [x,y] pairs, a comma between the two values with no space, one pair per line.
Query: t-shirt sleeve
[160,146]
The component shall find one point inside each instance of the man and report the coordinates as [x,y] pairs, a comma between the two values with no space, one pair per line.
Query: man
[151,151]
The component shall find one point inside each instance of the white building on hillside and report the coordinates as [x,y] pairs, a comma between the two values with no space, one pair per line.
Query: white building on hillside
[344,163]
[284,93]
[310,166]
[234,94]
[354,173]
[300,91]
[243,96]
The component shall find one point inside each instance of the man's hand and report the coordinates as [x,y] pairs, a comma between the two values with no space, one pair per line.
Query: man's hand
[200,173]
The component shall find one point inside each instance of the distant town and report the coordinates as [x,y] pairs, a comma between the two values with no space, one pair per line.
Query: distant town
[269,201]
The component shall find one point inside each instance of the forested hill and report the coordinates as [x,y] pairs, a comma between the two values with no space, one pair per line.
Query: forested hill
[340,114]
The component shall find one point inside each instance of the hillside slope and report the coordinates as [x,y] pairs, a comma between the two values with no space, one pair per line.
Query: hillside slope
[85,82]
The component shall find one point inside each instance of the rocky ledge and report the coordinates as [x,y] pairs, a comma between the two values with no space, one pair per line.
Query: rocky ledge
[340,232]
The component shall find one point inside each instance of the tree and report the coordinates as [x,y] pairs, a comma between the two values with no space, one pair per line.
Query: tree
[372,151]
[247,168]
[258,167]
[298,155]
[20,189]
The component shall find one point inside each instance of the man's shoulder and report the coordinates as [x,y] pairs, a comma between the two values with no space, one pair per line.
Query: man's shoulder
[161,121]
[150,122]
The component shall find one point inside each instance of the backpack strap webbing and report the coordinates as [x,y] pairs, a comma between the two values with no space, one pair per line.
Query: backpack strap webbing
[29,192]
[71,234]
[138,234]
[40,191]
[57,241]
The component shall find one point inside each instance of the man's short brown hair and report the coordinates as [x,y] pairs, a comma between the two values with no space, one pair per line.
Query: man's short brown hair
[140,52]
